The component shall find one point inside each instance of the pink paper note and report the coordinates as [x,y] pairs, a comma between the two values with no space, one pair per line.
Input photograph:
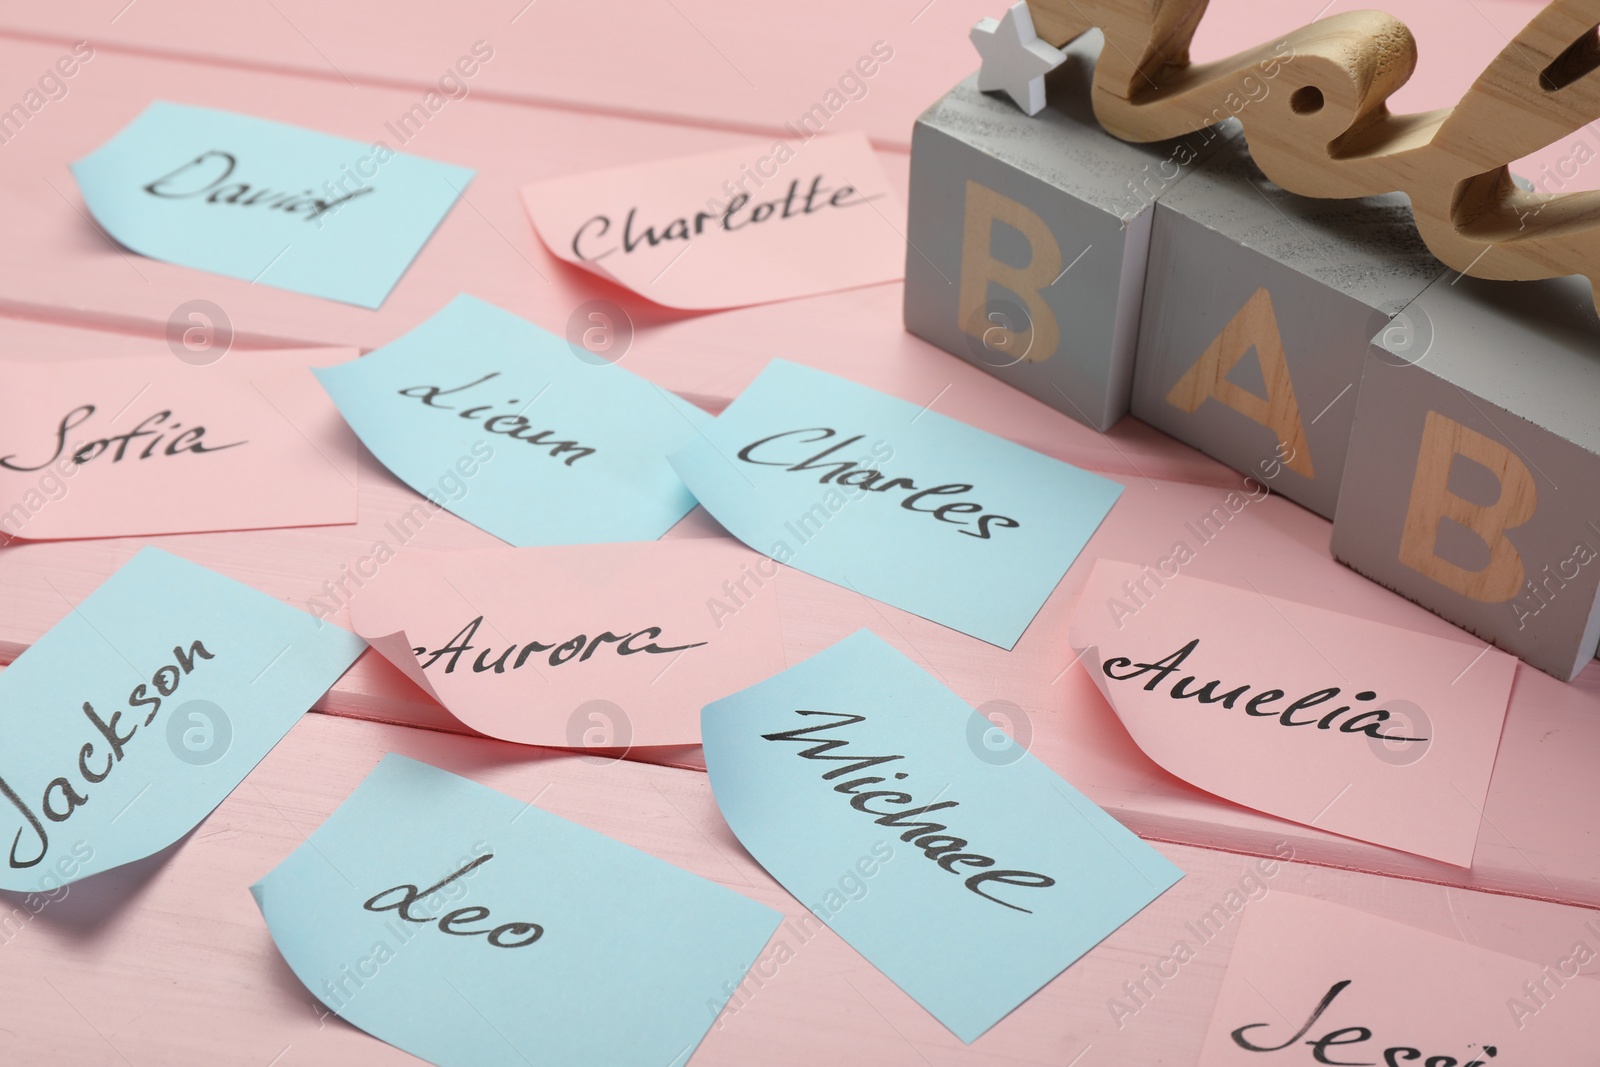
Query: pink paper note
[156,445]
[772,221]
[1348,725]
[580,646]
[1311,982]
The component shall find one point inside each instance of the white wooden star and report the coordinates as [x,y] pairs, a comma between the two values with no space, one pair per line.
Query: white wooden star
[1015,60]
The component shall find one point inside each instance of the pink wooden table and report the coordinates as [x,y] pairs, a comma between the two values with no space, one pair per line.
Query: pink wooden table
[168,961]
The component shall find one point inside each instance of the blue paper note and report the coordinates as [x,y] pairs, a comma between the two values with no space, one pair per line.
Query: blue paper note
[953,860]
[471,928]
[501,423]
[273,204]
[136,714]
[894,501]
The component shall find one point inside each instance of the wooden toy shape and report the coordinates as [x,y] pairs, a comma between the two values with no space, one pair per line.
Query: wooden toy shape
[1329,132]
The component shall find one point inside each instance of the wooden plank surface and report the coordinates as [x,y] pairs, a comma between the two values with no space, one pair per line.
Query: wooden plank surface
[168,961]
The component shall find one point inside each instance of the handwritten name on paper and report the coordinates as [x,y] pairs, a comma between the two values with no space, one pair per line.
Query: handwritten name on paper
[1368,722]
[947,851]
[935,517]
[1347,1035]
[596,437]
[812,766]
[524,945]
[736,214]
[207,174]
[1310,982]
[233,195]
[125,770]
[153,426]
[707,231]
[512,425]
[1328,719]
[555,651]
[148,444]
[579,647]
[868,479]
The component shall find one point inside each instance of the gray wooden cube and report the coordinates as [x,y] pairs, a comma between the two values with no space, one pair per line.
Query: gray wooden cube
[1259,307]
[1028,238]
[1472,484]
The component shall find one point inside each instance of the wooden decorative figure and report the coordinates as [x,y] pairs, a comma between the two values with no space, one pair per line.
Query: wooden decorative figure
[1327,131]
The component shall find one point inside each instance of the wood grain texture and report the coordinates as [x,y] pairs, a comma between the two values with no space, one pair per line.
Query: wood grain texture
[168,960]
[1321,125]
